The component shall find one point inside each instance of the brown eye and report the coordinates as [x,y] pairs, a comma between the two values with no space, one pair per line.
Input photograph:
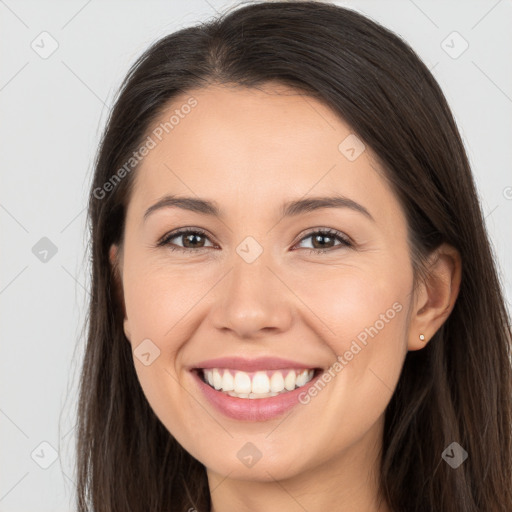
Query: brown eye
[192,239]
[325,240]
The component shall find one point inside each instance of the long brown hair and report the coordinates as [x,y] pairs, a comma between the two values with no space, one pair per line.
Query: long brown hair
[458,388]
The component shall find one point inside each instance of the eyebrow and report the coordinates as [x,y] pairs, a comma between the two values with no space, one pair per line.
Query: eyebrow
[288,209]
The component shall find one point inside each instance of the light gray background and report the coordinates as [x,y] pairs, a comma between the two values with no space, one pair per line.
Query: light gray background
[52,112]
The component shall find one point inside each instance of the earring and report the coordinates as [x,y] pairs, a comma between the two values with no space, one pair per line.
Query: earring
[422,337]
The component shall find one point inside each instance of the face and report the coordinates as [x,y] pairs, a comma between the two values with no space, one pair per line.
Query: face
[305,307]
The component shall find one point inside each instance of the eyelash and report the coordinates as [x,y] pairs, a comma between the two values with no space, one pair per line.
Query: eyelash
[165,241]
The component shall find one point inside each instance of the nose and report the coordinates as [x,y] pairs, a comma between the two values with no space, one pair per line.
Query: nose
[253,301]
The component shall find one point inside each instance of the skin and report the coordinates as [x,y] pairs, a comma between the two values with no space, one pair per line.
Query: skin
[250,150]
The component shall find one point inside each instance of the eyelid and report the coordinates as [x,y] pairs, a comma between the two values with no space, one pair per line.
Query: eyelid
[328,231]
[164,240]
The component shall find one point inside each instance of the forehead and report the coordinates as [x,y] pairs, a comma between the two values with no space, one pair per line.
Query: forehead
[251,148]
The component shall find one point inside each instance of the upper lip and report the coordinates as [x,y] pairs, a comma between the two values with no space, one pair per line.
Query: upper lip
[252,365]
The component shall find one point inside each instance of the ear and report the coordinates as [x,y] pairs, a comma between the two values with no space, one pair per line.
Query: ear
[436,296]
[115,257]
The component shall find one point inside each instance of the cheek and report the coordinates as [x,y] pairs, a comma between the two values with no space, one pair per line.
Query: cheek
[159,306]
[362,316]
[158,300]
[347,300]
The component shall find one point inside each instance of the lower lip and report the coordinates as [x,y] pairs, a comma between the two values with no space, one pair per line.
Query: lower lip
[252,409]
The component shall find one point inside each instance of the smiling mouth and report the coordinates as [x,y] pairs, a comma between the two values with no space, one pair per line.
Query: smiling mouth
[260,384]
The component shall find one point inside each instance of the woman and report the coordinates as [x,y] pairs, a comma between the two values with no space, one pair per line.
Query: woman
[294,301]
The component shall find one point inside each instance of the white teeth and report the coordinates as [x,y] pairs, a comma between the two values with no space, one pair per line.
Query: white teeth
[277,382]
[251,395]
[228,383]
[260,383]
[289,381]
[241,385]
[217,379]
[302,378]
